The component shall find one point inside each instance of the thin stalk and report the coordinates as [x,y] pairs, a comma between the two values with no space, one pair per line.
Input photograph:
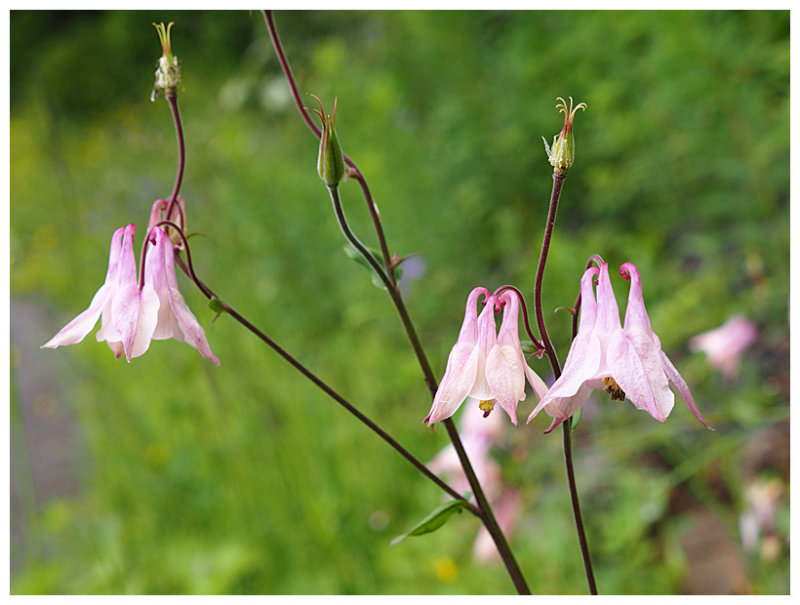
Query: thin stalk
[172,98]
[376,222]
[354,172]
[187,268]
[487,515]
[558,181]
[387,277]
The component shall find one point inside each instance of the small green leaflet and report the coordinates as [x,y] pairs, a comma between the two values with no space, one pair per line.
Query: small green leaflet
[351,251]
[434,520]
[576,418]
[216,305]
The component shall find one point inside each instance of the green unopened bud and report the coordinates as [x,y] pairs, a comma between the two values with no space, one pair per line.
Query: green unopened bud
[562,153]
[330,163]
[168,72]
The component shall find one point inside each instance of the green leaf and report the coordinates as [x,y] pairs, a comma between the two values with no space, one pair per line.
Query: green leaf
[434,520]
[216,305]
[353,253]
[576,418]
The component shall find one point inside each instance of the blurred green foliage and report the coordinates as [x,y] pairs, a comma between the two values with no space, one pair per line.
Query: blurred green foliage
[246,478]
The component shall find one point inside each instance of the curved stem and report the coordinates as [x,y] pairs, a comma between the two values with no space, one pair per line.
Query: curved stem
[354,172]
[558,181]
[351,237]
[376,221]
[172,98]
[538,345]
[486,510]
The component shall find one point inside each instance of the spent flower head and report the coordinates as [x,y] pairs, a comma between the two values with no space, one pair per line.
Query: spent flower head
[168,72]
[562,154]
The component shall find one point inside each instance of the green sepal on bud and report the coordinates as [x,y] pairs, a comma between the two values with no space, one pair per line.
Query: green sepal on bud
[168,72]
[562,154]
[330,163]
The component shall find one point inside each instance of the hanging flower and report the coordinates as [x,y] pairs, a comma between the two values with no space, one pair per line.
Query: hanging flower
[117,277]
[175,320]
[133,314]
[484,366]
[626,362]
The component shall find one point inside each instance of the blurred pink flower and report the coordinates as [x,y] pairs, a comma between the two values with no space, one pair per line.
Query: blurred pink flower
[132,316]
[763,497]
[507,512]
[625,361]
[725,345]
[478,433]
[484,365]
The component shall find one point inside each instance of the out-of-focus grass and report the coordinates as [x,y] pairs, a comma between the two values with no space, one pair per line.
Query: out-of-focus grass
[247,479]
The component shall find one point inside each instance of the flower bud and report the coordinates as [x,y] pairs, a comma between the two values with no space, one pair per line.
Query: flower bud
[168,72]
[562,153]
[330,163]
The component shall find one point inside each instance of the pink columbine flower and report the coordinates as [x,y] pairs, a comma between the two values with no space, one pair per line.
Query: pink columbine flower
[134,315]
[625,361]
[507,511]
[724,345]
[483,365]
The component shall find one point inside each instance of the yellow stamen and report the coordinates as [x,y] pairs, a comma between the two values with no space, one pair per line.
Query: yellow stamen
[617,394]
[486,407]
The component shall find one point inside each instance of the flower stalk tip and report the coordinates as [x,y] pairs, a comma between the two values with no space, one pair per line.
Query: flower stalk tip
[562,154]
[168,71]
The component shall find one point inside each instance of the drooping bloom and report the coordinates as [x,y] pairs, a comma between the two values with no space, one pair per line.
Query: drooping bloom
[134,314]
[625,361]
[483,365]
[102,302]
[175,320]
[724,345]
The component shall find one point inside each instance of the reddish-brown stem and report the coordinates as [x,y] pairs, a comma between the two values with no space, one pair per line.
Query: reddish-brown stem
[536,343]
[558,181]
[386,275]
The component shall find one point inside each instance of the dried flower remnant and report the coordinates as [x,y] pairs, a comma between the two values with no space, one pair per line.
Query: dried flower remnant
[168,70]
[562,154]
